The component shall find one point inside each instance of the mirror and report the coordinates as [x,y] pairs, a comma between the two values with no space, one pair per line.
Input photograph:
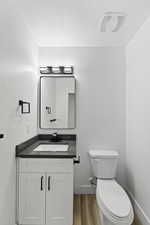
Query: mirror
[57,109]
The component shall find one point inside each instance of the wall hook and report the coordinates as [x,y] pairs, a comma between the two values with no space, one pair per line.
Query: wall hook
[1,136]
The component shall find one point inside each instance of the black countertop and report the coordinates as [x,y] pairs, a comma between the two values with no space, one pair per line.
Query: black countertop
[26,149]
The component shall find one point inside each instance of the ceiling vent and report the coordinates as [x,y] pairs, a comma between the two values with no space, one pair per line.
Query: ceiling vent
[112,21]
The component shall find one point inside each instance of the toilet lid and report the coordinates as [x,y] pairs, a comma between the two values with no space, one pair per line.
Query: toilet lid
[103,154]
[114,198]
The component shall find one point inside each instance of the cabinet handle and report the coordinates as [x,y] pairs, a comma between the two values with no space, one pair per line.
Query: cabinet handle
[42,177]
[49,183]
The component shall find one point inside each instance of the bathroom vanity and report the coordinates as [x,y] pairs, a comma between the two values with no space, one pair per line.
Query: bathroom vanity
[45,180]
[45,162]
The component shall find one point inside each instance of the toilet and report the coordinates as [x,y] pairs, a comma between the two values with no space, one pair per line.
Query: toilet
[113,202]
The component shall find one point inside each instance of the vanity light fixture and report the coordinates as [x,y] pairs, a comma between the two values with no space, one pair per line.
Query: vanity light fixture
[68,70]
[56,70]
[44,69]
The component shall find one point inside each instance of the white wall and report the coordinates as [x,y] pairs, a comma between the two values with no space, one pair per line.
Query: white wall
[138,121]
[18,80]
[100,74]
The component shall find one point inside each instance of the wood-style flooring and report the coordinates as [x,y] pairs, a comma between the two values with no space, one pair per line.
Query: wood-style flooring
[86,211]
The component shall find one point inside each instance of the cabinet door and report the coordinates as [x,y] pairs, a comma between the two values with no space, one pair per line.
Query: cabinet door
[59,199]
[31,198]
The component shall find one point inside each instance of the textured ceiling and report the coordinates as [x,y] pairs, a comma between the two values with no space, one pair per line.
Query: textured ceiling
[76,22]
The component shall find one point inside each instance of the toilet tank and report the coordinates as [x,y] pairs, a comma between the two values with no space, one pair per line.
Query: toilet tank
[104,163]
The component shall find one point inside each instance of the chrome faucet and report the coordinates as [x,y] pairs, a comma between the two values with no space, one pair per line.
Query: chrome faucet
[54,137]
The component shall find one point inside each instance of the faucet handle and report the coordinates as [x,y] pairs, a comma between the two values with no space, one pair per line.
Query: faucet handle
[54,134]
[54,137]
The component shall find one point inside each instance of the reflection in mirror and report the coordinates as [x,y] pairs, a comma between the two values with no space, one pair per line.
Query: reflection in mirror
[57,102]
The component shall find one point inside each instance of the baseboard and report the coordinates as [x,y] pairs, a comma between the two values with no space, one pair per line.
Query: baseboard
[142,218]
[84,189]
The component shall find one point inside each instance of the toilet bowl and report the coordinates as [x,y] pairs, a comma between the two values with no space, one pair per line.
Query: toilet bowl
[113,202]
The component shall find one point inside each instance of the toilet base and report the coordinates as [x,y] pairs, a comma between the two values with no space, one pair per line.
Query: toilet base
[105,221]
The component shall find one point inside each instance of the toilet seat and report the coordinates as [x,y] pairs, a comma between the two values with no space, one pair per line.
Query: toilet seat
[114,202]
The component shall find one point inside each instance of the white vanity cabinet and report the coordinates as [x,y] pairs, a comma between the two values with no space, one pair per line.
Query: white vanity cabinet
[45,191]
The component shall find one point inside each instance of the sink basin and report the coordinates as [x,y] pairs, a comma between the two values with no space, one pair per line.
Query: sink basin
[51,148]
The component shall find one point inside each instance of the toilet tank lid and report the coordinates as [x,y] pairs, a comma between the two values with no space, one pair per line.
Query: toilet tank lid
[95,153]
